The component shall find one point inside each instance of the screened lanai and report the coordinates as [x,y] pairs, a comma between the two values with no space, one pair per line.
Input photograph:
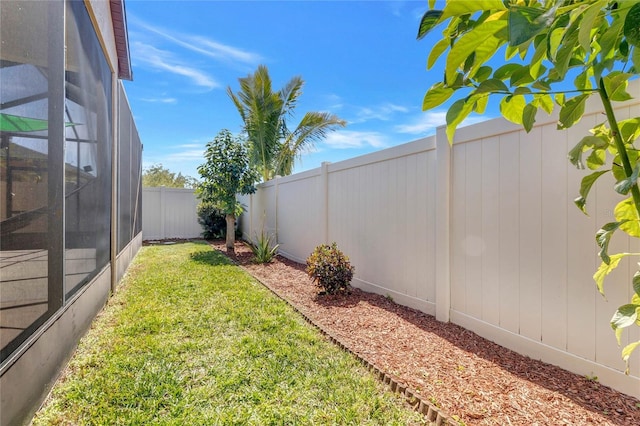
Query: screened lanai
[70,168]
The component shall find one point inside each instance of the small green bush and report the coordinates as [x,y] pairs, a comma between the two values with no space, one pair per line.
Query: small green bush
[212,220]
[329,268]
[262,250]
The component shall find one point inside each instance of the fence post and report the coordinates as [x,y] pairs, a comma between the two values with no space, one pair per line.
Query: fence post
[277,189]
[163,209]
[324,200]
[250,236]
[443,225]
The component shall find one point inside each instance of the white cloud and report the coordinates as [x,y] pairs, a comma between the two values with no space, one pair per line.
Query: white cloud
[187,155]
[335,102]
[221,51]
[202,45]
[191,146]
[396,7]
[426,123]
[348,139]
[166,61]
[382,112]
[160,100]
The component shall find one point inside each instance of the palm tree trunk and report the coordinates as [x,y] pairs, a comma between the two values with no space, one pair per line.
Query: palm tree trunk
[231,232]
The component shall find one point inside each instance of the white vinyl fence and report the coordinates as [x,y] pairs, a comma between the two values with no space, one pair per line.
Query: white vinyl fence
[169,213]
[483,233]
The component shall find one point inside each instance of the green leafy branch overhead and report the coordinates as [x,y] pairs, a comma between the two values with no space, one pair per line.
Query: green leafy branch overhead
[556,53]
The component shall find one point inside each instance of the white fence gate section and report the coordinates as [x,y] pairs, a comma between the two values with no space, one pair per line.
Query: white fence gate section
[482,233]
[169,213]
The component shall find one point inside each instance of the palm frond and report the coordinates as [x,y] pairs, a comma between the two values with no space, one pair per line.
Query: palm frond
[272,146]
[313,127]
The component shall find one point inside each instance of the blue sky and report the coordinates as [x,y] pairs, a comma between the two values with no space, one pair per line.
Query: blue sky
[360,60]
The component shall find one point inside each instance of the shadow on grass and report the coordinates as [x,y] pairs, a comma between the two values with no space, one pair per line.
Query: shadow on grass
[172,241]
[210,257]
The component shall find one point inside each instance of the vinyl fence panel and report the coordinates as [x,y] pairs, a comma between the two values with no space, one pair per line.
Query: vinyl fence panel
[169,213]
[483,233]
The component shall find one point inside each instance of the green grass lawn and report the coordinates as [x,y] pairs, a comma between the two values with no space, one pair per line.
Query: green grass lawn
[190,339]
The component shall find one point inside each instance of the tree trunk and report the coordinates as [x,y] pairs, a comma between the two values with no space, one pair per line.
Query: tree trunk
[231,232]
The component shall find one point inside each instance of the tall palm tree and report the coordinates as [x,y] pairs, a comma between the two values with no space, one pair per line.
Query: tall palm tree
[273,148]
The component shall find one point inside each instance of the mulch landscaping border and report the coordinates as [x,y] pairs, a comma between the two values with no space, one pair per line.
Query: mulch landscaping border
[433,414]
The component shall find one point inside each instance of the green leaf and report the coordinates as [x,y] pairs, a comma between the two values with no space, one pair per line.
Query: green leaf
[603,237]
[483,73]
[522,91]
[572,111]
[624,48]
[483,53]
[566,53]
[635,59]
[536,69]
[542,85]
[624,186]
[586,25]
[510,52]
[437,50]
[636,283]
[625,316]
[468,43]
[527,22]
[632,25]
[457,8]
[609,42]
[529,117]
[616,84]
[506,71]
[512,108]
[429,20]
[626,353]
[468,63]
[583,81]
[437,95]
[480,103]
[492,85]
[626,212]
[629,129]
[606,268]
[554,42]
[457,112]
[585,187]
[544,101]
[596,159]
[521,77]
[617,169]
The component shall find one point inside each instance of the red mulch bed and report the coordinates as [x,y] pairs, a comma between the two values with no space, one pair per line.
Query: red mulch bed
[460,372]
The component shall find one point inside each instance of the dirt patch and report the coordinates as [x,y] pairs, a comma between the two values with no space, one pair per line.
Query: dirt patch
[458,371]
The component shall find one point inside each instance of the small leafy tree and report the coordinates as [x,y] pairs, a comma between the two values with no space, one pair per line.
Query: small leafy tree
[226,173]
[595,44]
[157,175]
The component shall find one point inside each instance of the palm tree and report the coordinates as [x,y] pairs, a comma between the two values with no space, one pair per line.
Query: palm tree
[273,148]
